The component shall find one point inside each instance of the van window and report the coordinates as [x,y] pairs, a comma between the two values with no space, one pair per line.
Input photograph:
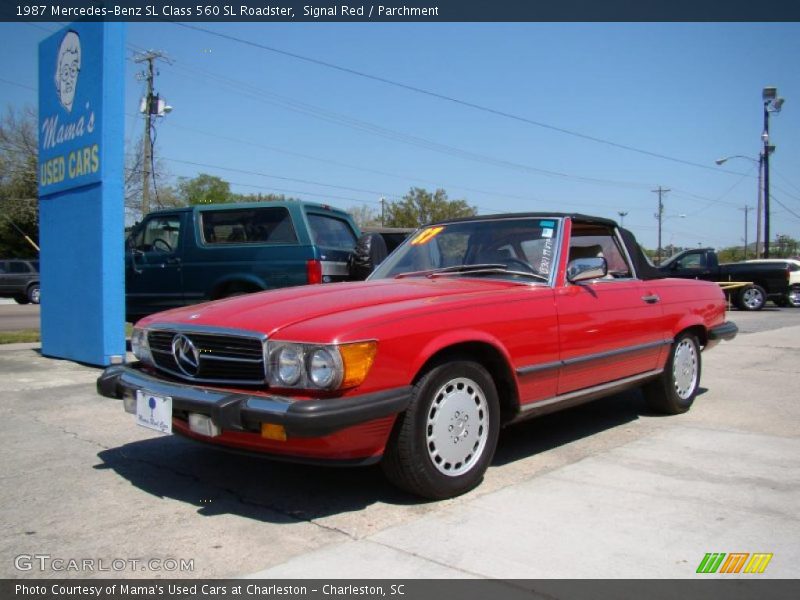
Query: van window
[331,232]
[160,234]
[248,226]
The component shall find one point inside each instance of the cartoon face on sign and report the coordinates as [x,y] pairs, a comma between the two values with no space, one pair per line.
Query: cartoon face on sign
[67,68]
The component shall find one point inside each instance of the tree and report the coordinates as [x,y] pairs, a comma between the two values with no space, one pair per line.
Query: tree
[18,183]
[262,198]
[365,216]
[204,189]
[783,247]
[419,207]
[162,194]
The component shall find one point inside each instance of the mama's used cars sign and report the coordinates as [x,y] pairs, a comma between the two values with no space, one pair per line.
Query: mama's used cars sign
[70,119]
[81,218]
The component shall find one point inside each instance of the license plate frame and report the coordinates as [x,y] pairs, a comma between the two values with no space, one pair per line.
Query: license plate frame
[154,411]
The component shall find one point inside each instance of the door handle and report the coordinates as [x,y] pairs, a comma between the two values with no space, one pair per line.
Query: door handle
[652,298]
[173,260]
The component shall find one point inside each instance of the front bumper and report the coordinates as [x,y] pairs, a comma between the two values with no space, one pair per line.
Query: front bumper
[243,412]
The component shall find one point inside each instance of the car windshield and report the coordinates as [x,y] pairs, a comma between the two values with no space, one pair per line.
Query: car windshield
[509,248]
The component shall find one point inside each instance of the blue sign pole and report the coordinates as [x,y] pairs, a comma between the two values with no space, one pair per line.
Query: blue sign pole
[81,179]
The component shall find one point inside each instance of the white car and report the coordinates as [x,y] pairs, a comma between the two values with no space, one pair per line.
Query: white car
[793,297]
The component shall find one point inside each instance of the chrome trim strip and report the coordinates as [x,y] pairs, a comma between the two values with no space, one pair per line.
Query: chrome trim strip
[210,329]
[530,369]
[539,404]
[335,268]
[538,368]
[618,352]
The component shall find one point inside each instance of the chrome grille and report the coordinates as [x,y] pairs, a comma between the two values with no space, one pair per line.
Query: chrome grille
[223,357]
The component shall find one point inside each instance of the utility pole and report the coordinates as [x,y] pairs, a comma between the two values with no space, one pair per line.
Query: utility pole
[746,210]
[660,216]
[760,205]
[383,211]
[149,109]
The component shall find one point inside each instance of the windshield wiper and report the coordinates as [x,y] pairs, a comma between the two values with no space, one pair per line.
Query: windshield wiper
[474,269]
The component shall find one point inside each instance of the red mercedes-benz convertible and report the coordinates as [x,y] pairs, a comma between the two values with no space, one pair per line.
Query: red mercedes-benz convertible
[470,325]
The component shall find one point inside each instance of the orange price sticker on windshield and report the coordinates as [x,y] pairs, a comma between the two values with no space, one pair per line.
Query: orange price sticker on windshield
[426,236]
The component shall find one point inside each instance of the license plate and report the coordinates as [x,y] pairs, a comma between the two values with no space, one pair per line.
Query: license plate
[154,412]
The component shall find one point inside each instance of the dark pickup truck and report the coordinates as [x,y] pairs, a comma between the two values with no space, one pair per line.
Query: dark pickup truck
[766,280]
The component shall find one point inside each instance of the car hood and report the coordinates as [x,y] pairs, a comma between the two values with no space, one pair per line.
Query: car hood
[271,311]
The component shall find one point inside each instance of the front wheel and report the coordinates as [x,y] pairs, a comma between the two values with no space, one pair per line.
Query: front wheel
[443,444]
[674,391]
[752,297]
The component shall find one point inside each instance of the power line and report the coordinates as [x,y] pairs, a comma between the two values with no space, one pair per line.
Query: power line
[294,105]
[445,97]
[21,85]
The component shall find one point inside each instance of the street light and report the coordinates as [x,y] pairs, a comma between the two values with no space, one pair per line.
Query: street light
[759,192]
[622,215]
[772,104]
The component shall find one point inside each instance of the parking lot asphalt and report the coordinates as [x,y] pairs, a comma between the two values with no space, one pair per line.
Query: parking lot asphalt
[606,490]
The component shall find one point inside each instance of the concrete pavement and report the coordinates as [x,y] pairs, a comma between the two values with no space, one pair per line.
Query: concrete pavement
[603,490]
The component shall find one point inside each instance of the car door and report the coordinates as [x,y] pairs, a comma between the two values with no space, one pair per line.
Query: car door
[609,328]
[153,275]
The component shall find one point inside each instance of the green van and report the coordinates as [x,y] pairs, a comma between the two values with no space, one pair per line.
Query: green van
[187,255]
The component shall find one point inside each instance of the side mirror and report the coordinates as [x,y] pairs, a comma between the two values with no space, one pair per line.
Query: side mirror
[583,269]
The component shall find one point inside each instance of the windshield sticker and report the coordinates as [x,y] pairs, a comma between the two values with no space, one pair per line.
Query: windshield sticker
[550,224]
[426,236]
[547,257]
[547,233]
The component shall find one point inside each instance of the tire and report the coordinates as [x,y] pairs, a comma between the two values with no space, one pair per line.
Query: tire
[752,297]
[34,294]
[21,299]
[793,297]
[675,390]
[443,443]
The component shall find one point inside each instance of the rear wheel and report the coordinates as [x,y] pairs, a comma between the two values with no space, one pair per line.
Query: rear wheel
[752,297]
[444,442]
[675,390]
[34,294]
[793,297]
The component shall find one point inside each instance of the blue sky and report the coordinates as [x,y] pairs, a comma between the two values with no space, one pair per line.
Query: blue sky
[268,122]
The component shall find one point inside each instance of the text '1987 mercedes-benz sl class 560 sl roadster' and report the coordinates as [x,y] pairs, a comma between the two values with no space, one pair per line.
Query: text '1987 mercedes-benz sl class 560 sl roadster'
[470,325]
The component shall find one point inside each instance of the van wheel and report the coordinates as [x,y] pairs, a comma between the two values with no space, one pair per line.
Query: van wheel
[443,444]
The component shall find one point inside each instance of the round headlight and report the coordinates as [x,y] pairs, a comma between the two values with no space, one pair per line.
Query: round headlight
[322,368]
[290,365]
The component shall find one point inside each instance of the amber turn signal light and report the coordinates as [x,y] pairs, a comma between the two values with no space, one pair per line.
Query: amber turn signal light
[357,359]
